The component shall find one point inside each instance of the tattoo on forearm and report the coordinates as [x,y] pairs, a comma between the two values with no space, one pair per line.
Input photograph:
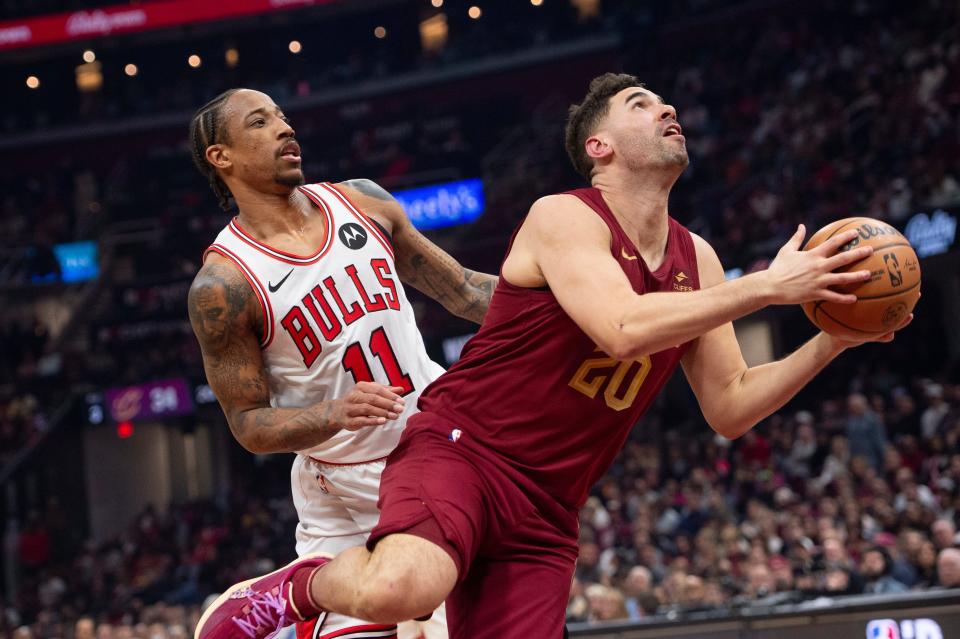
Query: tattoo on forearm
[461,291]
[429,269]
[287,429]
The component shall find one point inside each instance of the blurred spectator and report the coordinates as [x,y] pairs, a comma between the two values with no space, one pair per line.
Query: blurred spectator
[875,567]
[948,568]
[865,432]
[637,587]
[935,412]
[944,533]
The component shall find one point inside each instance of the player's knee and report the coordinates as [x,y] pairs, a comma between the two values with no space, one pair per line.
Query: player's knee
[392,597]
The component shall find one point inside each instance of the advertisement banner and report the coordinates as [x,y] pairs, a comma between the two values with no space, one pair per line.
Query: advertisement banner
[121,19]
[932,233]
[166,398]
[440,205]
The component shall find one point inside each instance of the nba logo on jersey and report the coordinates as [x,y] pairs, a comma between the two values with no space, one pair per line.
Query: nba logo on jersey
[883,629]
[455,434]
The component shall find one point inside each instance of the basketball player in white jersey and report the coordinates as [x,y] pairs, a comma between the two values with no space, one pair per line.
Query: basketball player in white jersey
[308,339]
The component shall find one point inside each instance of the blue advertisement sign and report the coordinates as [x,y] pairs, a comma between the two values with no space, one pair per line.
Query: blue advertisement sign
[78,261]
[932,234]
[441,205]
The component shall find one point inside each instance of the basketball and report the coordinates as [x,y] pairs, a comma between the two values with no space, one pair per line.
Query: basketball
[884,300]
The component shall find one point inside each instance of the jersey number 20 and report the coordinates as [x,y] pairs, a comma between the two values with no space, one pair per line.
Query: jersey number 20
[597,372]
[356,363]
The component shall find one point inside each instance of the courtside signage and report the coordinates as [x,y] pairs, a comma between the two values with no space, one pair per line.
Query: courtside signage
[440,205]
[906,629]
[166,398]
[126,18]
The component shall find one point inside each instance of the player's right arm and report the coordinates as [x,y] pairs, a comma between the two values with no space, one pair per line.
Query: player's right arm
[224,314]
[565,245]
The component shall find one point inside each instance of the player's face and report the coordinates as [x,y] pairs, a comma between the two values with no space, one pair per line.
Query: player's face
[644,131]
[262,150]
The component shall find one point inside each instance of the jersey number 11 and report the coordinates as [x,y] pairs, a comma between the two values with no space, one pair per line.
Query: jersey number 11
[356,363]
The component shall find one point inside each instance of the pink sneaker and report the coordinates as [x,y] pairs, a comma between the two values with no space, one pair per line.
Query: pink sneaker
[257,608]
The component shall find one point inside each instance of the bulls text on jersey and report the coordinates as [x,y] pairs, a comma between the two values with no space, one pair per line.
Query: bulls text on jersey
[331,309]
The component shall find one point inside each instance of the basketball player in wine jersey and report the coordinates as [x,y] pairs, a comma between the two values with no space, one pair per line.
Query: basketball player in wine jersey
[602,294]
[308,339]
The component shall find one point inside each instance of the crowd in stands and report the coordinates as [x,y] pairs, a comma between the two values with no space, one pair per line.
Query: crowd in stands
[149,582]
[858,494]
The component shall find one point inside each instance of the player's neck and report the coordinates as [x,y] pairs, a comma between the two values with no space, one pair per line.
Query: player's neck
[640,205]
[270,214]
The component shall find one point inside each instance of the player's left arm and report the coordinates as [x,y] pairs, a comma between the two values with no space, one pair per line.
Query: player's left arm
[421,263]
[733,396]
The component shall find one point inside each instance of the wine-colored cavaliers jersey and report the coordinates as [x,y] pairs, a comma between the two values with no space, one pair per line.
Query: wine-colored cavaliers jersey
[535,391]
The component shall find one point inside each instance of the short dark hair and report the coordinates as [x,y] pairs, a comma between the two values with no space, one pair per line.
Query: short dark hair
[207,128]
[583,118]
[887,559]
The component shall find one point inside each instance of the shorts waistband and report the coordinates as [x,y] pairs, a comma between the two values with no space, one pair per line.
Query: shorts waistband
[321,462]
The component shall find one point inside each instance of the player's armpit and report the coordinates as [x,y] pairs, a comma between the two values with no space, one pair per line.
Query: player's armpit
[421,263]
[714,364]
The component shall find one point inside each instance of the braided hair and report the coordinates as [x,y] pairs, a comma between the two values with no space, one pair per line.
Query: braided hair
[207,128]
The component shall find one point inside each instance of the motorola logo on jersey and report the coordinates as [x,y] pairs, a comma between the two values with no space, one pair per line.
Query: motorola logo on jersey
[353,236]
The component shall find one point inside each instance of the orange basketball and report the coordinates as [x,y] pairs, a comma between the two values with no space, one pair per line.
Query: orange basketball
[886,298]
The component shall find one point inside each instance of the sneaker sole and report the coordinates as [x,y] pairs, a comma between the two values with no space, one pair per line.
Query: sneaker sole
[243,584]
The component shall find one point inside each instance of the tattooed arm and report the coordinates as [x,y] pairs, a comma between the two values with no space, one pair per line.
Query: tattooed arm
[421,263]
[226,318]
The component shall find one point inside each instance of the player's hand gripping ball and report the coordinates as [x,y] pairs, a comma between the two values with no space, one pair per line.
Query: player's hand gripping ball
[884,300]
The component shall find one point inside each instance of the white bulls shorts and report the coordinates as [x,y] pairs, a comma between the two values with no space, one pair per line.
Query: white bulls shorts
[337,508]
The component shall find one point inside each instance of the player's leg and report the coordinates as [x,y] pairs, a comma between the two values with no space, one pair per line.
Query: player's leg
[432,520]
[337,506]
[358,487]
[406,576]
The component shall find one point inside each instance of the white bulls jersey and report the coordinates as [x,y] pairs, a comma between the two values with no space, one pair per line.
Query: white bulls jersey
[334,318]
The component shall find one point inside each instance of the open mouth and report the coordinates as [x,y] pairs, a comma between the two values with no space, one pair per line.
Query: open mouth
[672,130]
[290,152]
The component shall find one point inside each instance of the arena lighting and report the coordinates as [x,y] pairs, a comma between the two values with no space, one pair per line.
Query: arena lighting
[89,77]
[33,82]
[89,56]
[130,70]
[536,3]
[433,32]
[474,12]
[125,430]
[194,60]
[231,56]
[295,46]
[380,33]
[437,3]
